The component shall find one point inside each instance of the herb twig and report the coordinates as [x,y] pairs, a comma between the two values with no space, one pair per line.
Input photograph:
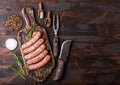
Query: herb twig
[18,73]
[29,35]
[19,63]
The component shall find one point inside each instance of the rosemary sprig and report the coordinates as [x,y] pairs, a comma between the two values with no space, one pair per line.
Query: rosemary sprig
[18,73]
[29,35]
[19,63]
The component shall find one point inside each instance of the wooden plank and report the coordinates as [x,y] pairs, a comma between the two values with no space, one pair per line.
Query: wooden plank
[92,25]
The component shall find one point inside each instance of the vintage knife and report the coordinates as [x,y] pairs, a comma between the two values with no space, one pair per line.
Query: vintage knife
[62,59]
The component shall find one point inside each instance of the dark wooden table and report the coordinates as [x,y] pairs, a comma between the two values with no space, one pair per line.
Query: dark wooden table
[92,25]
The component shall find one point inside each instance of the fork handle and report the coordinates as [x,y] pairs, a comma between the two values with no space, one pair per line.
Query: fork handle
[55,46]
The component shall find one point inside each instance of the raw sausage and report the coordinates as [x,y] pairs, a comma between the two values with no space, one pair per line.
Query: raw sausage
[35,53]
[32,41]
[33,47]
[40,64]
[37,58]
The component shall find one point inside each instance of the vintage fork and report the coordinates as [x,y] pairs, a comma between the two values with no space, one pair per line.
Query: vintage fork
[55,29]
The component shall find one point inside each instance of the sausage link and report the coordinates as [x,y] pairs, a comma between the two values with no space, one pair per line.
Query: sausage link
[40,64]
[32,41]
[37,58]
[35,53]
[33,47]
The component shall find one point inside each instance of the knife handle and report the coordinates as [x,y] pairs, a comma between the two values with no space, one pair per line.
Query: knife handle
[59,70]
[55,46]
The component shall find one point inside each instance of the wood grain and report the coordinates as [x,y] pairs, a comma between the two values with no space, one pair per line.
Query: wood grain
[94,27]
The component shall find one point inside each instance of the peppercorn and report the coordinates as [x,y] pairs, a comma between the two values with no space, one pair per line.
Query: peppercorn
[13,22]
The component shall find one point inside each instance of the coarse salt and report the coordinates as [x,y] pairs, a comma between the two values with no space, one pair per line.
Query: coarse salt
[11,43]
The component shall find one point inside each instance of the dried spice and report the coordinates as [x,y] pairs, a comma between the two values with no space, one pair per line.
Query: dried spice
[40,11]
[13,22]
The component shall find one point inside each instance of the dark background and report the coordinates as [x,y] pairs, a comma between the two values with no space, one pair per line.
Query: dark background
[92,25]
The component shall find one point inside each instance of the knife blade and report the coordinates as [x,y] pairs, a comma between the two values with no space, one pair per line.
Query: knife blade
[64,53]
